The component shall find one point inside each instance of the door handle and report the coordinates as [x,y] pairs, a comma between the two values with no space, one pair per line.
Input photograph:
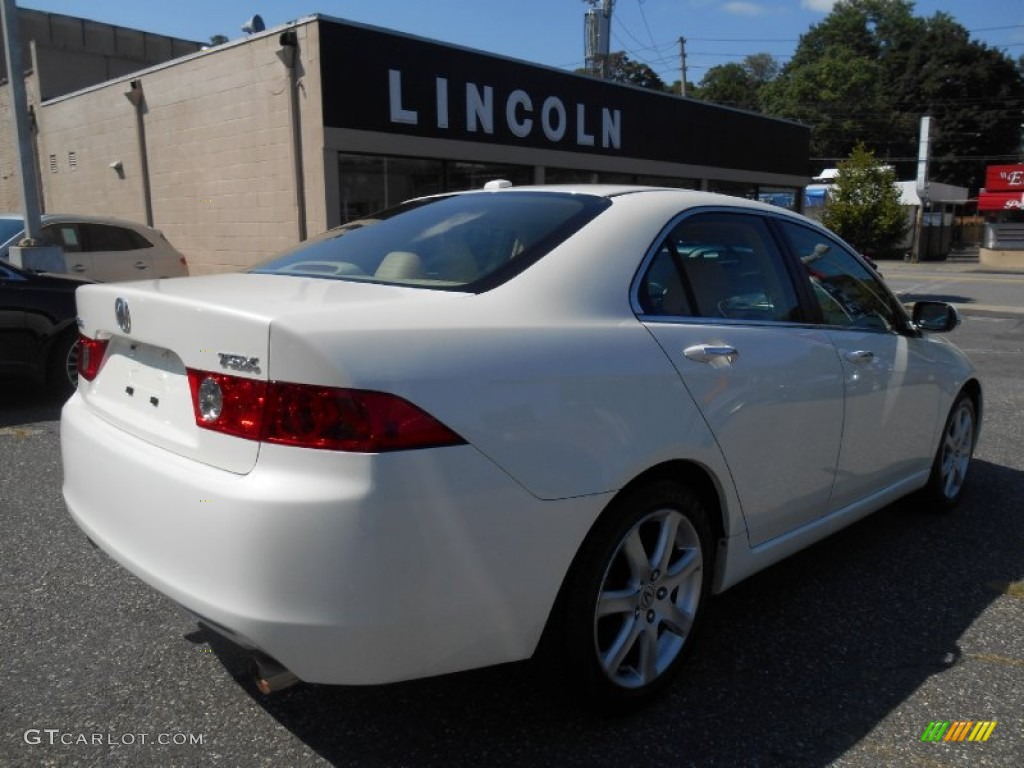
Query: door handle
[710,353]
[141,265]
[78,268]
[860,356]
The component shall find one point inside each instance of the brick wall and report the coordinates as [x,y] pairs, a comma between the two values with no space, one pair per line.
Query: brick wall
[219,146]
[80,52]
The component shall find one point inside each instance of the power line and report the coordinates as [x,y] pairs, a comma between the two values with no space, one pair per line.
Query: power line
[640,6]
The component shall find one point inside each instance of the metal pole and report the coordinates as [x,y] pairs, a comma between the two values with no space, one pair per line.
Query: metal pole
[289,54]
[923,158]
[137,97]
[682,66]
[19,104]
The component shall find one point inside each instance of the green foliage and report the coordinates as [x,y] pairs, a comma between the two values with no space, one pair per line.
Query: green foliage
[864,205]
[871,69]
[739,85]
[622,69]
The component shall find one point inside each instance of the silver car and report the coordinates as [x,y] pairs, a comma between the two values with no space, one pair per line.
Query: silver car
[101,248]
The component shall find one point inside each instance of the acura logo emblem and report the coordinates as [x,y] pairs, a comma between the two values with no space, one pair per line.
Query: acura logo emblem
[124,317]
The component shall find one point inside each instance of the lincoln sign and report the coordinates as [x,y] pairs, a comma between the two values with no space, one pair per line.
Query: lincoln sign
[378,81]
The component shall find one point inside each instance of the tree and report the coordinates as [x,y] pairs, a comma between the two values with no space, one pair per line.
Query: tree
[729,84]
[975,95]
[763,67]
[864,207]
[218,39]
[739,85]
[872,69]
[622,69]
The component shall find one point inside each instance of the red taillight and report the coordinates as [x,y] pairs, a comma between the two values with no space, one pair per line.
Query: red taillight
[90,356]
[242,401]
[313,417]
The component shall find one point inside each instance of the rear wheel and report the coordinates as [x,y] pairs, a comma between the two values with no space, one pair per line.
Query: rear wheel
[636,595]
[62,367]
[954,456]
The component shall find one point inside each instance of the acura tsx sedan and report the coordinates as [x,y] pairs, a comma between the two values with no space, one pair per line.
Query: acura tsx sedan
[429,439]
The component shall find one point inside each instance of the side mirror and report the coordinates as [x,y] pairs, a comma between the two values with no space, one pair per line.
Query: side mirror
[935,316]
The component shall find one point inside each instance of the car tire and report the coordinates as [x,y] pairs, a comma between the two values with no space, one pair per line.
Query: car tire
[953,457]
[62,366]
[635,596]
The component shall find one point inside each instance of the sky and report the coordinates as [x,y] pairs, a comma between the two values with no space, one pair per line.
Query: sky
[550,32]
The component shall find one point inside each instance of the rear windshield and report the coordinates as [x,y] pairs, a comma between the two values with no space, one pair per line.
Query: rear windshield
[461,242]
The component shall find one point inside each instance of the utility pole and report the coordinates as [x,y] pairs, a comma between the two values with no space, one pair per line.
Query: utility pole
[682,66]
[32,255]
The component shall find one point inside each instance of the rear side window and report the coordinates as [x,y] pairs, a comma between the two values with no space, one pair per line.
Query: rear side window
[104,237]
[719,265]
[463,242]
[138,241]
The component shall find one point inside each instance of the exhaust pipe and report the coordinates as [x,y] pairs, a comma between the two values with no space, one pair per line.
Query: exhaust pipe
[270,676]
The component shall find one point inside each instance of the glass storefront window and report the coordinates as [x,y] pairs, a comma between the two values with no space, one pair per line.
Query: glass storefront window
[784,197]
[371,183]
[615,178]
[734,188]
[668,181]
[568,176]
[462,175]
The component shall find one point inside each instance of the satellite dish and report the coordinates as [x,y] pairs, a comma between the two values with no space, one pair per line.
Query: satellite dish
[253,25]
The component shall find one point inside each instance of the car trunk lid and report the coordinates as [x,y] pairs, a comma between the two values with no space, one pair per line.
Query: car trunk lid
[158,330]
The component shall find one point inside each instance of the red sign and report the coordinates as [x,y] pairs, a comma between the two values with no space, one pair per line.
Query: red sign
[1001,201]
[1004,178]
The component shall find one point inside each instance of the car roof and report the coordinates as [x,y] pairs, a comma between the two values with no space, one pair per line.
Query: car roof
[57,218]
[685,198]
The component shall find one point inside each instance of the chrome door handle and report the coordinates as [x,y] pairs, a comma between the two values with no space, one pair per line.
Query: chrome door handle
[78,268]
[860,356]
[710,353]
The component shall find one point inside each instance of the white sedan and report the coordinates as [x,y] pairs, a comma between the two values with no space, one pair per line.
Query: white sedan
[425,440]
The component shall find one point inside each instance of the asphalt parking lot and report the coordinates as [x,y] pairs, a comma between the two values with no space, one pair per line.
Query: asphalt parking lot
[841,655]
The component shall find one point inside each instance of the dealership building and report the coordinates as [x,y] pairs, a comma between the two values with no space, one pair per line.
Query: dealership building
[240,150]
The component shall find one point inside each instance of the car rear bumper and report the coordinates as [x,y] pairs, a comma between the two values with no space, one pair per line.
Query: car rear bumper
[346,568]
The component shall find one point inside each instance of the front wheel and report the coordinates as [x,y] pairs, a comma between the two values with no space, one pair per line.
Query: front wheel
[636,594]
[953,458]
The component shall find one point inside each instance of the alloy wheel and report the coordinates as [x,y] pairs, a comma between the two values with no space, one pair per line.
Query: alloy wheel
[648,598]
[957,449]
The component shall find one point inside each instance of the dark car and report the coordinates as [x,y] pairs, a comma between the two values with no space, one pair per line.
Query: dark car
[38,330]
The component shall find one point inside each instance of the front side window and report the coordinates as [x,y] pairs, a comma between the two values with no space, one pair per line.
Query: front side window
[848,293]
[471,241]
[719,265]
[64,235]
